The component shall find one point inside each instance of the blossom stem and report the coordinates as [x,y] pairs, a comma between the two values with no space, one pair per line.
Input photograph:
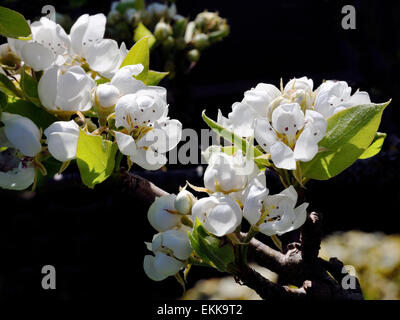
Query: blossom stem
[244,247]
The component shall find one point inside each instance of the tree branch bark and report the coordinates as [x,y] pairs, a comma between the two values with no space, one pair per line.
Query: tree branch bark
[299,265]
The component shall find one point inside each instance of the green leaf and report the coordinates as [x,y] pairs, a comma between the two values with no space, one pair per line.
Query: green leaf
[349,133]
[141,31]
[375,146]
[139,53]
[8,87]
[154,77]
[13,24]
[27,109]
[95,158]
[29,85]
[237,141]
[209,248]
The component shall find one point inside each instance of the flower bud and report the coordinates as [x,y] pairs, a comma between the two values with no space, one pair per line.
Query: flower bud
[193,55]
[220,215]
[162,31]
[130,15]
[113,17]
[62,140]
[200,41]
[180,27]
[106,96]
[161,214]
[184,202]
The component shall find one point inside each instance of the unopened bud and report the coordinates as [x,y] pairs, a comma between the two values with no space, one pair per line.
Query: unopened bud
[113,17]
[162,31]
[130,15]
[107,95]
[200,41]
[184,202]
[193,55]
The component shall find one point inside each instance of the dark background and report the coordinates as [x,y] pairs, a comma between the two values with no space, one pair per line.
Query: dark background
[95,238]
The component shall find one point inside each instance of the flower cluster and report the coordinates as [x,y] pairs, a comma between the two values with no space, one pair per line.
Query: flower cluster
[174,34]
[236,190]
[78,76]
[289,123]
[292,125]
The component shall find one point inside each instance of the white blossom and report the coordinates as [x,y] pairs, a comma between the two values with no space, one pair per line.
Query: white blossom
[272,214]
[149,133]
[66,89]
[50,44]
[227,173]
[162,214]
[334,96]
[292,136]
[184,202]
[62,140]
[219,214]
[21,139]
[171,248]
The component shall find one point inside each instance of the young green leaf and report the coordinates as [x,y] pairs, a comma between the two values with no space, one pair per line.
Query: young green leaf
[13,24]
[27,109]
[349,133]
[375,146]
[237,141]
[154,77]
[210,249]
[141,31]
[29,85]
[139,53]
[95,158]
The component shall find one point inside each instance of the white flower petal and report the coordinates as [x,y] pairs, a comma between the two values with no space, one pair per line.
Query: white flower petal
[260,97]
[63,126]
[302,83]
[126,143]
[288,119]
[17,179]
[23,134]
[330,95]
[148,159]
[159,216]
[264,134]
[104,56]
[224,173]
[107,95]
[37,56]
[87,30]
[242,119]
[150,269]
[124,79]
[256,192]
[282,156]
[170,135]
[184,201]
[178,242]
[74,89]
[47,87]
[220,215]
[167,265]
[307,144]
[358,98]
[301,215]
